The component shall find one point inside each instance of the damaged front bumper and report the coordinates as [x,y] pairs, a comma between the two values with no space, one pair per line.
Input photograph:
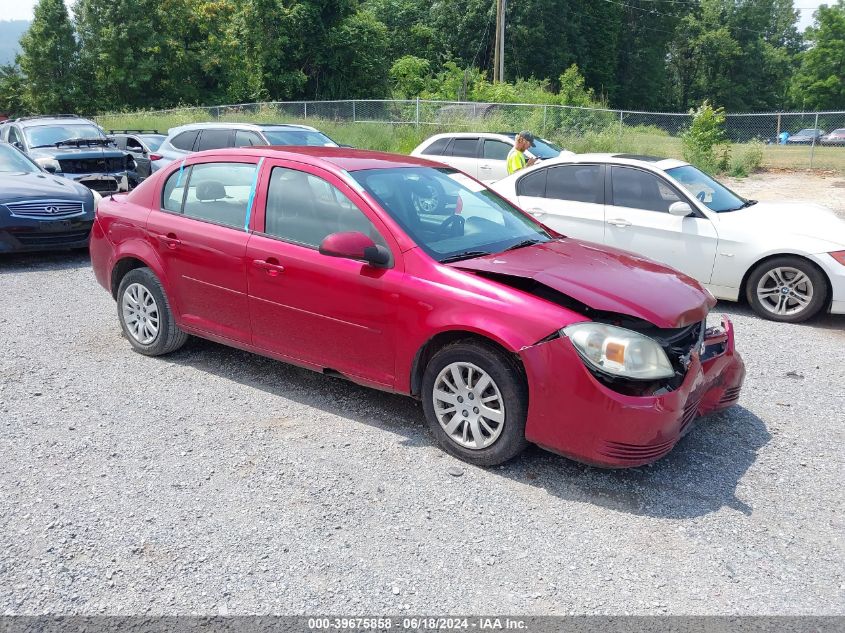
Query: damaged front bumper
[572,413]
[106,183]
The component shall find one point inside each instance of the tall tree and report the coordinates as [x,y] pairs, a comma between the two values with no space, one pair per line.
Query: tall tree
[12,90]
[49,60]
[122,50]
[820,82]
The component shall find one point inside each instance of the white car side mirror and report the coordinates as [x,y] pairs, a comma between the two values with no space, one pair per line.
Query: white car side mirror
[680,209]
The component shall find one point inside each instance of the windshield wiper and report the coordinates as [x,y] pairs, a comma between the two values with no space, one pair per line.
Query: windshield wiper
[80,141]
[464,255]
[744,205]
[523,244]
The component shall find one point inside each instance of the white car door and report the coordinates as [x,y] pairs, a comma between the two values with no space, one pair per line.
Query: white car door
[638,220]
[566,198]
[493,165]
[462,153]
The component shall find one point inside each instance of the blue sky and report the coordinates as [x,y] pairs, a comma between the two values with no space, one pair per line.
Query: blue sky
[22,9]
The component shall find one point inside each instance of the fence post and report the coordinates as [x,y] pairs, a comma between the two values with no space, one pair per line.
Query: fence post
[619,141]
[304,109]
[813,146]
[353,111]
[417,119]
[217,113]
[545,110]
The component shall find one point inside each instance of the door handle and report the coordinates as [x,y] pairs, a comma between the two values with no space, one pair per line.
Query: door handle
[535,211]
[620,222]
[170,240]
[271,266]
[485,166]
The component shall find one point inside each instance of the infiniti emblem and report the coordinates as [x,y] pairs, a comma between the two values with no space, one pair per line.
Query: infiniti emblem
[52,210]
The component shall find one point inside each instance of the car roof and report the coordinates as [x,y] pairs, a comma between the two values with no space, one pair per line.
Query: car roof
[50,120]
[343,158]
[226,125]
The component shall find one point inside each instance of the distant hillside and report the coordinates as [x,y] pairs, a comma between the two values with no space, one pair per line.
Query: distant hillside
[10,33]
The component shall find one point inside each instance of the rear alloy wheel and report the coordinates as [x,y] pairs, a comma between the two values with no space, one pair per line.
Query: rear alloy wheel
[145,315]
[786,289]
[475,399]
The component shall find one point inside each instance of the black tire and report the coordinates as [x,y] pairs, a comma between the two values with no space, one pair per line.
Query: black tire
[816,279]
[169,337]
[510,381]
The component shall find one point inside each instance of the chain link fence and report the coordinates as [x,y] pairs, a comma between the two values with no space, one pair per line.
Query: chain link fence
[786,140]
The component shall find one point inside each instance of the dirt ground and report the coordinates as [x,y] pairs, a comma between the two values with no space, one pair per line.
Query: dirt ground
[825,188]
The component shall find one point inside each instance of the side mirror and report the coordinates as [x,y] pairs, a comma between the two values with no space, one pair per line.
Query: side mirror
[18,144]
[680,209]
[355,245]
[50,168]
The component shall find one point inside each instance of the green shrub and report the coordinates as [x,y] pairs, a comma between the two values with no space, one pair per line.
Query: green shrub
[748,161]
[704,142]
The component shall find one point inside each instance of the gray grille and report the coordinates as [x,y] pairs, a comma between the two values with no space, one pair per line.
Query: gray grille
[45,209]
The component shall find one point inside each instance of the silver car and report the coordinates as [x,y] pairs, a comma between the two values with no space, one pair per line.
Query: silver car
[196,137]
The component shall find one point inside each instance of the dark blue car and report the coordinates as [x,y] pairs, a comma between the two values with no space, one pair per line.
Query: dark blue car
[40,211]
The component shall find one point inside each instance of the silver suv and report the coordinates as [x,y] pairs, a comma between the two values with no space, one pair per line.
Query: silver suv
[196,137]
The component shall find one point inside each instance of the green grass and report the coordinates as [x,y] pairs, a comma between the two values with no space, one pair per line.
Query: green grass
[588,134]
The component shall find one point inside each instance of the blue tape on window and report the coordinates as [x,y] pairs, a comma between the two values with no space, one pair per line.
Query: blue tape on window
[251,198]
[181,170]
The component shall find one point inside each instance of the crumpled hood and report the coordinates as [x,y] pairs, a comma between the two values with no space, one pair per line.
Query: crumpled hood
[604,279]
[788,218]
[21,186]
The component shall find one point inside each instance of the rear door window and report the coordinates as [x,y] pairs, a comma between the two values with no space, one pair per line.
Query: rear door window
[215,139]
[438,147]
[533,184]
[185,140]
[246,138]
[465,147]
[212,192]
[580,183]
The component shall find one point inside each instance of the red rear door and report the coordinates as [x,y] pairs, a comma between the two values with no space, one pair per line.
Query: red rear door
[200,234]
[327,312]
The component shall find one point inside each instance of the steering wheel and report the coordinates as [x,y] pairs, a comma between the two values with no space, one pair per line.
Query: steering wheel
[701,196]
[453,226]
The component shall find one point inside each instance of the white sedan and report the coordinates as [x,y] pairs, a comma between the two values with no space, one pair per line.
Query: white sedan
[787,259]
[482,155]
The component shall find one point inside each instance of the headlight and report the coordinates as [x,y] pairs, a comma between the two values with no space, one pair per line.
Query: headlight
[50,164]
[619,352]
[97,198]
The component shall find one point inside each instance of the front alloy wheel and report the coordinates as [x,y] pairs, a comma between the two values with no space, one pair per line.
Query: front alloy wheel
[787,289]
[475,399]
[469,405]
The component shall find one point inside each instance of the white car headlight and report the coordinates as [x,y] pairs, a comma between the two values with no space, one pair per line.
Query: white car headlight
[50,164]
[619,352]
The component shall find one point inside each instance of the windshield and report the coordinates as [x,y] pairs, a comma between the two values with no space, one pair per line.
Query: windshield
[449,215]
[806,132]
[51,134]
[12,161]
[544,149]
[153,141]
[714,194]
[298,137]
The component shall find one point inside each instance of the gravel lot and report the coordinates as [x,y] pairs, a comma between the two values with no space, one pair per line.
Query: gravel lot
[214,481]
[825,188]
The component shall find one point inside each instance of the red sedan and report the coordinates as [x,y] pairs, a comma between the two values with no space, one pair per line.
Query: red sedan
[407,276]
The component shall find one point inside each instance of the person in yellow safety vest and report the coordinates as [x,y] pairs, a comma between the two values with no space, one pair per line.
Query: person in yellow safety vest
[516,157]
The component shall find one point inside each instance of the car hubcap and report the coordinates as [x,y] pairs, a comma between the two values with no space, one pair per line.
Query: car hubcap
[469,405]
[785,291]
[140,313]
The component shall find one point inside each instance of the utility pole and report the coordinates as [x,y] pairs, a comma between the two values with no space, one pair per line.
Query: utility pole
[499,47]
